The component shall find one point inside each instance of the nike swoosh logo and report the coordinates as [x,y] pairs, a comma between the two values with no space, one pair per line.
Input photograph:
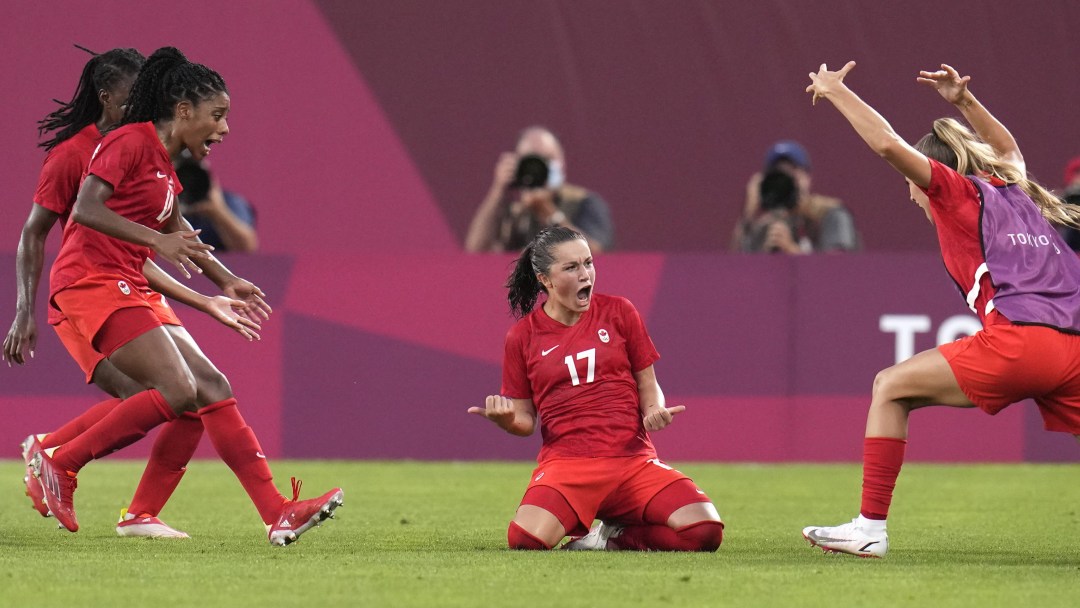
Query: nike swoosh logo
[260,455]
[544,353]
[161,175]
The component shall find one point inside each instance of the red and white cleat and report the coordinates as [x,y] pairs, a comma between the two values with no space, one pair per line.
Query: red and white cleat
[33,486]
[58,486]
[299,516]
[146,526]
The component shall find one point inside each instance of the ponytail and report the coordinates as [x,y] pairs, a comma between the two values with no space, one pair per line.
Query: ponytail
[954,145]
[167,79]
[523,284]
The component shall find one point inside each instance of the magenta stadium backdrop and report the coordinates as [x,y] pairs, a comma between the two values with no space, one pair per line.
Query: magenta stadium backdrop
[366,132]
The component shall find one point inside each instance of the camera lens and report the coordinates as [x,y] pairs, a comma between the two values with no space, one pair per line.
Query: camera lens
[532,172]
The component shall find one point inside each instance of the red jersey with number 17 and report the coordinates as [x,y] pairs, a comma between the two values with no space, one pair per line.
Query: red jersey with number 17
[581,379]
[135,163]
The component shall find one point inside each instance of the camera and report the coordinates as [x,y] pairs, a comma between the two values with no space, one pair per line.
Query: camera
[778,192]
[532,172]
[195,180]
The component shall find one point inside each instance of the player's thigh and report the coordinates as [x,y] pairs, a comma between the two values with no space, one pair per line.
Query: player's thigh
[153,360]
[115,382]
[924,379]
[212,385]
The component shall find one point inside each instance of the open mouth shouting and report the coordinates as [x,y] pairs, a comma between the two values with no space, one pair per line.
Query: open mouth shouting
[584,295]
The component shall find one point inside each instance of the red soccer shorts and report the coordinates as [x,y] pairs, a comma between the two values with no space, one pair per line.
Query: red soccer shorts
[1006,363]
[87,305]
[611,489]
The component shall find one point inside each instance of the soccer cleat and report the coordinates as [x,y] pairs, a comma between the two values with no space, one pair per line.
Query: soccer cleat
[33,486]
[298,516]
[596,539]
[58,486]
[146,526]
[848,538]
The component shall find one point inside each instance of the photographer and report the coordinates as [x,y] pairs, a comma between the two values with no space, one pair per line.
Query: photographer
[824,224]
[226,219]
[529,193]
[778,228]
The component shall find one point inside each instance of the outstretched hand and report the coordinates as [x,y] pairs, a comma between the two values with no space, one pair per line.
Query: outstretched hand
[229,312]
[256,308]
[947,81]
[825,82]
[181,248]
[660,417]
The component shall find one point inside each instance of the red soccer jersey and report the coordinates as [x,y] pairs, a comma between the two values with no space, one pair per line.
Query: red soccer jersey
[135,163]
[956,207]
[581,379]
[62,172]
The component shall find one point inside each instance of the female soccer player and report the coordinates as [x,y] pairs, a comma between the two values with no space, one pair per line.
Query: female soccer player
[994,228]
[583,363]
[97,105]
[125,210]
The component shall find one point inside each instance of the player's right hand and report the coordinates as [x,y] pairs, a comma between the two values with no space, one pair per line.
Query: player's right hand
[180,248]
[22,336]
[497,409]
[504,170]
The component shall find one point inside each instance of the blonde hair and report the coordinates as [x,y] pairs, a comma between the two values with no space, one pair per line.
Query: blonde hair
[953,144]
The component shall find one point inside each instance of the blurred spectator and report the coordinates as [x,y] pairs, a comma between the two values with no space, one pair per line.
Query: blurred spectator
[772,222]
[529,193]
[227,220]
[1071,195]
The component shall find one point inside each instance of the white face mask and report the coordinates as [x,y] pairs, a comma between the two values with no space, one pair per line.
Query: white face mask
[556,177]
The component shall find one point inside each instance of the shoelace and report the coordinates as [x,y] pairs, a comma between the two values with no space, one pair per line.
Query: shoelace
[296,483]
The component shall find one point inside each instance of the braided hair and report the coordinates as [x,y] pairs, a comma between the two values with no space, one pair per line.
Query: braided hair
[167,79]
[536,258]
[102,72]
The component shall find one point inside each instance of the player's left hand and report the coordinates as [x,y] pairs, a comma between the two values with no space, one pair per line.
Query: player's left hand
[228,312]
[659,417]
[256,309]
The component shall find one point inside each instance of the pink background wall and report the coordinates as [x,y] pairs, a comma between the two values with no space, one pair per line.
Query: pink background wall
[366,132]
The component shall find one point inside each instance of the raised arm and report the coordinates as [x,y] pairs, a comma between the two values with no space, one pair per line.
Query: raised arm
[28,264]
[954,89]
[871,126]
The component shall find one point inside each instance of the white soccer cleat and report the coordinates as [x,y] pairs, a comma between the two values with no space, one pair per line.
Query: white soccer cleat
[848,538]
[146,526]
[596,539]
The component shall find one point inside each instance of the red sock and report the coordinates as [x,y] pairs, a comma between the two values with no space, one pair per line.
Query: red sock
[237,445]
[128,422]
[78,425]
[699,536]
[173,449]
[882,459]
[518,538]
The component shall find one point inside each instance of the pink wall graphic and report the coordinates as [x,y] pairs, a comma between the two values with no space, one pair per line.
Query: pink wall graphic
[365,133]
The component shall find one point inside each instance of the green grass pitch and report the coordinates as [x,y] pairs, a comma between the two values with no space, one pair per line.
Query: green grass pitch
[434,534]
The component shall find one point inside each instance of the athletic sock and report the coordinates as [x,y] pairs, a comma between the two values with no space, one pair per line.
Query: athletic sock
[173,449]
[882,459]
[78,425]
[518,538]
[237,445]
[698,536]
[128,422]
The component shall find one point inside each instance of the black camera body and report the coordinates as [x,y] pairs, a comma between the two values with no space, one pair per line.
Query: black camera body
[778,191]
[532,172]
[195,180]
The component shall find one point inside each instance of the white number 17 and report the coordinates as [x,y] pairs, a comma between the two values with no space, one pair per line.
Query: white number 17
[585,354]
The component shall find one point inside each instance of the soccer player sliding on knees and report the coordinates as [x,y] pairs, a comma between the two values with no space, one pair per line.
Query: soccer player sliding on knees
[583,364]
[973,187]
